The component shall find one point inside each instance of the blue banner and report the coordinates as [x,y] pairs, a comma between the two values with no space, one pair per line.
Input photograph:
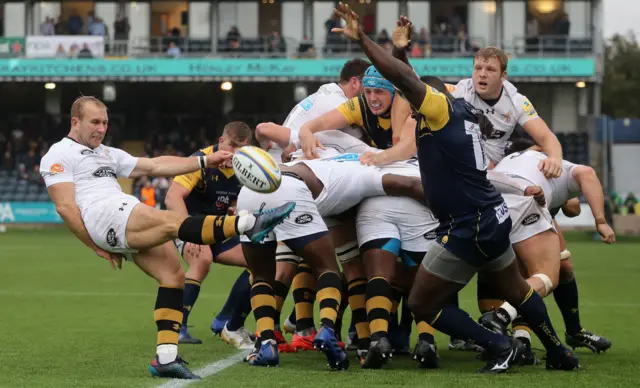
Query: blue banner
[29,213]
[259,67]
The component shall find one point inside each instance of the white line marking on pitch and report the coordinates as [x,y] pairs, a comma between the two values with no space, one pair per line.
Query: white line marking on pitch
[208,370]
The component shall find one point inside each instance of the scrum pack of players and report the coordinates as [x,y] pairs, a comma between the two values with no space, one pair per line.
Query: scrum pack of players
[412,184]
[349,163]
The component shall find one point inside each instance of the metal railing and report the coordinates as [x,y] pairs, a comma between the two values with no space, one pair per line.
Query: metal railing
[285,47]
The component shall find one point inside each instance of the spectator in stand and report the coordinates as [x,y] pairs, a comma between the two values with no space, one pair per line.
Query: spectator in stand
[8,162]
[630,203]
[533,33]
[233,39]
[60,26]
[306,49]
[96,27]
[47,27]
[333,42]
[173,51]
[561,28]
[74,24]
[121,30]
[384,40]
[85,53]
[276,44]
[148,194]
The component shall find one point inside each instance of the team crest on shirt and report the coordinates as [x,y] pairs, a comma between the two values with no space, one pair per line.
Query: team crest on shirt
[507,117]
[105,172]
[56,169]
[529,109]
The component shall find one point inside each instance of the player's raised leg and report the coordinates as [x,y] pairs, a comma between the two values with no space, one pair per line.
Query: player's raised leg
[163,264]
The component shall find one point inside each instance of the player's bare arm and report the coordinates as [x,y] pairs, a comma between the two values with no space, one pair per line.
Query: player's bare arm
[174,200]
[404,149]
[397,72]
[330,120]
[593,193]
[272,132]
[63,196]
[542,135]
[401,38]
[170,166]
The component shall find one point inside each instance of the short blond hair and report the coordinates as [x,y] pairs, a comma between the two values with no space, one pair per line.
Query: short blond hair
[78,105]
[493,52]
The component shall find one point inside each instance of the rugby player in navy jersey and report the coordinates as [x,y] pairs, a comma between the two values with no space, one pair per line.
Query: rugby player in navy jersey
[473,235]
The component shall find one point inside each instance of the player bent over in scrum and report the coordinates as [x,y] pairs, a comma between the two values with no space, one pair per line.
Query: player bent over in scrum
[319,188]
[574,180]
[390,228]
[473,234]
[80,174]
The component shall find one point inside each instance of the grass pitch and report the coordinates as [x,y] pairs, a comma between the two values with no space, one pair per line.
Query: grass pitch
[70,321]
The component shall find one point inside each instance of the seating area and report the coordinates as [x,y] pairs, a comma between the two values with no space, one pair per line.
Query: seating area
[14,189]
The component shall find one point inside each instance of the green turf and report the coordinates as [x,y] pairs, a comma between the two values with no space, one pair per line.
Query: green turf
[71,321]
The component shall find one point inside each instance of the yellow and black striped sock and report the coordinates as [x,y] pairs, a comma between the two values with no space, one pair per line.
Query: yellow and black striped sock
[281,291]
[304,295]
[379,305]
[358,304]
[191,292]
[263,304]
[329,294]
[207,230]
[489,297]
[168,317]
[521,328]
[425,332]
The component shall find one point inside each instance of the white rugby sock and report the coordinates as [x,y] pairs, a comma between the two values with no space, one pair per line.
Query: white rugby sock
[522,334]
[245,221]
[167,353]
[513,313]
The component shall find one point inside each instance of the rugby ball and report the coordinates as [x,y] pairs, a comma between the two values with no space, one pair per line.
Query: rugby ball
[256,169]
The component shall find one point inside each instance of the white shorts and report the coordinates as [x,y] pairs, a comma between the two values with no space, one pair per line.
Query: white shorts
[303,221]
[106,222]
[527,217]
[401,218]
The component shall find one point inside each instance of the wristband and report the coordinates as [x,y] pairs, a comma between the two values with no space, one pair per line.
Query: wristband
[202,161]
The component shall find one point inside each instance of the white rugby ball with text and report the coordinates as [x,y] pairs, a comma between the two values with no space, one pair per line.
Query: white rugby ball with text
[256,169]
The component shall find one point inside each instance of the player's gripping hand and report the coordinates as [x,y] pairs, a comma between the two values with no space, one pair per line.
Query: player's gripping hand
[551,167]
[605,231]
[309,143]
[352,28]
[372,158]
[114,259]
[401,36]
[219,159]
[537,193]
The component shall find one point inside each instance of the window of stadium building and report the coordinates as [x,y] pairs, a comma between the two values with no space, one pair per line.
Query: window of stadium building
[269,18]
[449,27]
[169,19]
[544,17]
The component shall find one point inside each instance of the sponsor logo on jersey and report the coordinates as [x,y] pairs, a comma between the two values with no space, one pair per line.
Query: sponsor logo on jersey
[105,172]
[345,158]
[56,169]
[497,134]
[530,219]
[450,88]
[351,105]
[432,235]
[529,109]
[303,219]
[87,152]
[306,104]
[490,111]
[112,239]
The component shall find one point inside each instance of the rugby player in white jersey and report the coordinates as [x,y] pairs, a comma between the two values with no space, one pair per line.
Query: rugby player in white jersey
[575,180]
[274,138]
[80,174]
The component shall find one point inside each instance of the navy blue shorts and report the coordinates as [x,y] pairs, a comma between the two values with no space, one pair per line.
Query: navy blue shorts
[478,238]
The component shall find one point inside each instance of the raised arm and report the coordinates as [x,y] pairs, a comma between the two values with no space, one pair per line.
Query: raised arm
[401,38]
[397,72]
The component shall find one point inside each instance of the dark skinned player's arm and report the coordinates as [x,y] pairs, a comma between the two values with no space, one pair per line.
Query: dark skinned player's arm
[400,54]
[400,74]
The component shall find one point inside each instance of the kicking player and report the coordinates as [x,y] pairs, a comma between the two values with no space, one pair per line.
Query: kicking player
[574,181]
[214,191]
[80,174]
[474,228]
[371,111]
[320,188]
